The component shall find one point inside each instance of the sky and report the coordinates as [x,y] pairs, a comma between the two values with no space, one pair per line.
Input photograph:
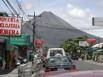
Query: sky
[78,13]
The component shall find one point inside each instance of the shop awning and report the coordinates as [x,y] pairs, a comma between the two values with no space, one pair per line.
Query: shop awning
[92,49]
[100,45]
[21,40]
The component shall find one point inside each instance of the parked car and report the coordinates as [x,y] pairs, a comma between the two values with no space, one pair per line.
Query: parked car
[55,52]
[75,56]
[56,63]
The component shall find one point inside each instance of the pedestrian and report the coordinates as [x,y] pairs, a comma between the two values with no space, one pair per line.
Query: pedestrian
[3,64]
[82,56]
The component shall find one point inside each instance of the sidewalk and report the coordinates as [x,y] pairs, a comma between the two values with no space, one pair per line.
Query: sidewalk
[39,73]
[13,73]
[93,62]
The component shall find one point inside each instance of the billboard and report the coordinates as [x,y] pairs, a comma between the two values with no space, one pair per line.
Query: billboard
[10,26]
[83,43]
[97,21]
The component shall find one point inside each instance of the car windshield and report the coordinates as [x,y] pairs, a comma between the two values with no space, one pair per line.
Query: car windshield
[55,52]
[54,61]
[60,60]
[54,31]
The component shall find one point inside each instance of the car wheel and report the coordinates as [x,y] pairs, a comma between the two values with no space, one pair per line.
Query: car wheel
[55,69]
[66,69]
[47,69]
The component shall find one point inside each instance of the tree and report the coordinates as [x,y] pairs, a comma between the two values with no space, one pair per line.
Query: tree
[72,45]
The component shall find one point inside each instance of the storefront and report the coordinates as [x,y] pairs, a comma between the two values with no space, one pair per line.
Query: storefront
[98,55]
[18,47]
[2,51]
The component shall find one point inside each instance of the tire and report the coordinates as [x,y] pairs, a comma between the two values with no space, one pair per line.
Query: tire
[47,69]
[55,69]
[66,69]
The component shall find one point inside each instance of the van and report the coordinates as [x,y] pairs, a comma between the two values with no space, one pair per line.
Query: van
[52,52]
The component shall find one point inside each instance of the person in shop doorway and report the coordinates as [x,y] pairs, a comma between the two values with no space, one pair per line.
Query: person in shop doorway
[3,64]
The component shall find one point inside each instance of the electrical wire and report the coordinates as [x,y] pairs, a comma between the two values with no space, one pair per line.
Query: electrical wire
[21,9]
[13,9]
[8,7]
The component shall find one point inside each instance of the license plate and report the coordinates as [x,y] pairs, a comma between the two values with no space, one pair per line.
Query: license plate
[60,69]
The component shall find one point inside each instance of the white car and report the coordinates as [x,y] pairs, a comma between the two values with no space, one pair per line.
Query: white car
[54,52]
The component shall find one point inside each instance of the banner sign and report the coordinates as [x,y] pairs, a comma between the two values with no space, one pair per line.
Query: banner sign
[10,26]
[83,43]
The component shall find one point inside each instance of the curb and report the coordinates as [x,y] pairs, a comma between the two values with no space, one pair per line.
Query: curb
[92,62]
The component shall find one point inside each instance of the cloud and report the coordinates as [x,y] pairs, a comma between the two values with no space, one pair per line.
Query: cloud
[70,6]
[79,16]
[27,5]
[76,11]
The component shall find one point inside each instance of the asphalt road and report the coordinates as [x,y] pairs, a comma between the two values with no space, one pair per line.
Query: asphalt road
[83,66]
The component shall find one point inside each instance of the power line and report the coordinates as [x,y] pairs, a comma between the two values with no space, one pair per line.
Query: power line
[8,7]
[16,13]
[21,9]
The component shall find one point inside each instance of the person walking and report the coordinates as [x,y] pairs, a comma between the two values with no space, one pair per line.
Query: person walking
[3,64]
[82,56]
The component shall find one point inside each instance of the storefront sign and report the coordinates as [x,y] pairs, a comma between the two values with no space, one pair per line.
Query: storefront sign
[83,43]
[91,40]
[22,40]
[10,26]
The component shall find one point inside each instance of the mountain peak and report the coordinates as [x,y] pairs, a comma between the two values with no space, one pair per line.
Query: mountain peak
[47,13]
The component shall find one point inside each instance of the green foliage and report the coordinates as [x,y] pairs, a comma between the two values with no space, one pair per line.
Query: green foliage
[72,45]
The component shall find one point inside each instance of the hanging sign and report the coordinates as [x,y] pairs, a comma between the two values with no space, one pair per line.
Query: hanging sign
[10,26]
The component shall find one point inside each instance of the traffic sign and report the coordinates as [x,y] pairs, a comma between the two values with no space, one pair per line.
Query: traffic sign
[97,21]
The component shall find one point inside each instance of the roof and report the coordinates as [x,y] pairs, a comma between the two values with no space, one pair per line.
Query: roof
[56,49]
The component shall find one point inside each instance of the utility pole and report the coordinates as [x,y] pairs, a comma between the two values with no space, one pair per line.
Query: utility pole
[33,39]
[34,31]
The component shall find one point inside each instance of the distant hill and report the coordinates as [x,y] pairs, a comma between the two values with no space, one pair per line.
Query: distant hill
[53,29]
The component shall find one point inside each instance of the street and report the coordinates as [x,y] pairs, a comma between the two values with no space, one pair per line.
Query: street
[51,38]
[83,66]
